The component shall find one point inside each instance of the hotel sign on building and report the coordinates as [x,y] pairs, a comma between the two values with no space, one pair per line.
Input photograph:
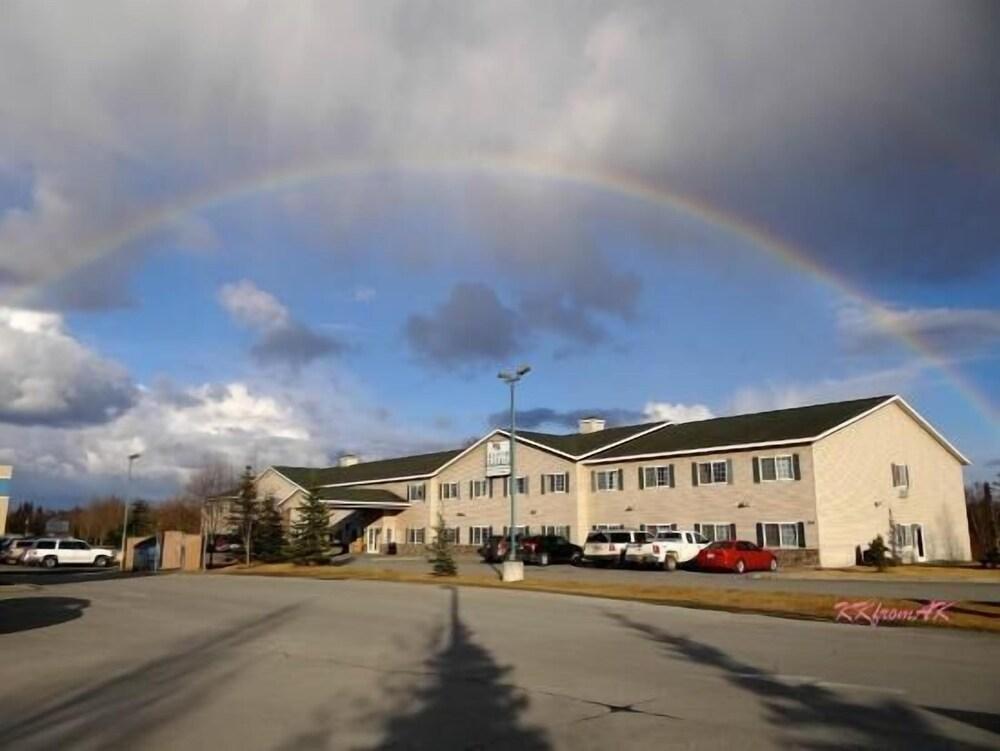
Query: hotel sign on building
[498,457]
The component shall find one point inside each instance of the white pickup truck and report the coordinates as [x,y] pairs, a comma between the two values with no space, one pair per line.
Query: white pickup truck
[667,549]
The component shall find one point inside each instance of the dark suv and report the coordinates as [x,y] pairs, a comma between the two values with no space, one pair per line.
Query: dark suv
[546,549]
[494,550]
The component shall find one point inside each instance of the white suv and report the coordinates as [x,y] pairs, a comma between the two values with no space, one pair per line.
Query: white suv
[668,549]
[51,552]
[605,547]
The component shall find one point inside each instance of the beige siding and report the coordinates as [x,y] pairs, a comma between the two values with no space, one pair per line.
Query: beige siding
[855,493]
[685,504]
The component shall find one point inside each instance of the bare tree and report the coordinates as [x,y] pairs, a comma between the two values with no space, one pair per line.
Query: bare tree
[210,486]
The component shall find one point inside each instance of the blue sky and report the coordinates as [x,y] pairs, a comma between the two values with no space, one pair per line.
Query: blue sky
[369,311]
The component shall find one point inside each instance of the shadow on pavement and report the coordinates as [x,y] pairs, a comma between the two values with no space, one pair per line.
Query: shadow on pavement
[804,707]
[465,704]
[119,712]
[43,577]
[982,720]
[26,613]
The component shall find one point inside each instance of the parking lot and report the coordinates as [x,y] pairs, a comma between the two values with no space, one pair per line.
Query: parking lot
[176,661]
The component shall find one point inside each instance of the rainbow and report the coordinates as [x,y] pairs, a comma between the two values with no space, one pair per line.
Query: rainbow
[545,169]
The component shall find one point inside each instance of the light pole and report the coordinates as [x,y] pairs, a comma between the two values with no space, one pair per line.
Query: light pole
[513,570]
[128,495]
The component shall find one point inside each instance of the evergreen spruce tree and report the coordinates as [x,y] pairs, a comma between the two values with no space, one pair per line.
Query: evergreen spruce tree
[269,534]
[140,519]
[441,556]
[244,511]
[310,542]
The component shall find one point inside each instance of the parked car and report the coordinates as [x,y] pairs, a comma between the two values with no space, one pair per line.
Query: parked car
[546,549]
[667,549]
[13,549]
[51,552]
[609,547]
[494,550]
[736,555]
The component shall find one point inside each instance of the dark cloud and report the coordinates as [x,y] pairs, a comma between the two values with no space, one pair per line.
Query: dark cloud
[471,326]
[294,344]
[530,419]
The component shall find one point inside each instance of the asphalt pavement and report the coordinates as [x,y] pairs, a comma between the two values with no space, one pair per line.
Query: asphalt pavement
[221,662]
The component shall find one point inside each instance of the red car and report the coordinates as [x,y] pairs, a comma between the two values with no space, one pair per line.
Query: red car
[736,555]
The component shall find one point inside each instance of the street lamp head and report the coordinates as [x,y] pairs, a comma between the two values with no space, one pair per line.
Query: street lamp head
[133,457]
[505,375]
[524,370]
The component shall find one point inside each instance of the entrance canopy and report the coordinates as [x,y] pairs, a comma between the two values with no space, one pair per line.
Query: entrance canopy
[361,498]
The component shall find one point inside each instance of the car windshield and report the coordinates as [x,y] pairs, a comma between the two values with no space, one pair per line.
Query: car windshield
[597,537]
[718,546]
[670,536]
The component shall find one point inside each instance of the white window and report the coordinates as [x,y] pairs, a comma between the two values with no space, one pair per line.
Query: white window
[607,479]
[556,531]
[606,527]
[781,534]
[415,536]
[416,492]
[522,485]
[519,531]
[655,529]
[900,476]
[448,491]
[477,488]
[555,483]
[713,473]
[657,477]
[479,535]
[452,534]
[713,531]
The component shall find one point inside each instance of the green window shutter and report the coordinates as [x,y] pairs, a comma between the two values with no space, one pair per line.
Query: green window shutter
[756,469]
[470,488]
[490,483]
[440,492]
[672,483]
[732,531]
[642,479]
[567,481]
[760,528]
[697,528]
[796,471]
[541,482]
[729,471]
[694,473]
[593,481]
[801,534]
[621,479]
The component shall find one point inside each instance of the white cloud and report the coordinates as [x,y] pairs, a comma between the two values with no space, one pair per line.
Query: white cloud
[676,412]
[48,377]
[364,294]
[252,306]
[783,395]
[947,331]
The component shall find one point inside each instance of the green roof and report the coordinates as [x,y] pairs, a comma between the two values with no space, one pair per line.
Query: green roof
[383,469]
[789,425]
[578,444]
[358,495]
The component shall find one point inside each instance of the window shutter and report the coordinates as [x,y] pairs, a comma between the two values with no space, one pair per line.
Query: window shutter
[406,535]
[458,490]
[732,531]
[760,527]
[541,481]
[801,534]
[893,469]
[621,479]
[490,483]
[527,484]
[440,491]
[593,481]
[672,476]
[471,493]
[694,473]
[756,471]
[642,479]
[729,471]
[697,528]
[567,481]
[796,472]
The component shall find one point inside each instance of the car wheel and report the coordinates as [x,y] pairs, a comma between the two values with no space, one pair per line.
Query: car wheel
[576,559]
[101,561]
[774,564]
[50,561]
[543,559]
[740,567]
[669,563]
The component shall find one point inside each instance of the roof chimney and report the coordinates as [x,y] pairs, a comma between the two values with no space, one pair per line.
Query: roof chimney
[591,424]
[347,460]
